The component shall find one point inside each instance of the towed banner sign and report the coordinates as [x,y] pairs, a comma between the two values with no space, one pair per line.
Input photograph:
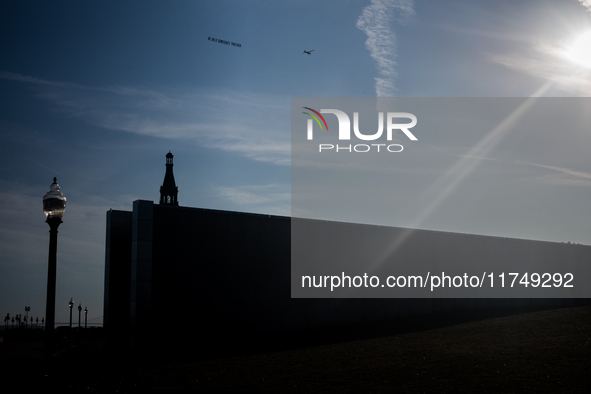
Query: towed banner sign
[234,44]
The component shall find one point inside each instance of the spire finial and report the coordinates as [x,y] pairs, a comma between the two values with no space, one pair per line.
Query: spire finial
[169,190]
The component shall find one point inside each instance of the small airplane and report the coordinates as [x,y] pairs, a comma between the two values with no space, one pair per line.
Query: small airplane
[308,52]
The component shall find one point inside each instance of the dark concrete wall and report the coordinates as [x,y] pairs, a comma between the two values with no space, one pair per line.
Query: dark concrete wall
[141,314]
[216,270]
[197,275]
[334,248]
[117,273]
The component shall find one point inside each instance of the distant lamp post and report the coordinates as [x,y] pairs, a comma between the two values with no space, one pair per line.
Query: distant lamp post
[85,317]
[71,304]
[79,311]
[6,320]
[27,310]
[54,207]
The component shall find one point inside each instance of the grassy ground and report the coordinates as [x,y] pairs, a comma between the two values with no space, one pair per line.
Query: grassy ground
[544,351]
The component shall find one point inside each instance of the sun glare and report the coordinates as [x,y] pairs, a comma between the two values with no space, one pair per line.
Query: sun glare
[580,52]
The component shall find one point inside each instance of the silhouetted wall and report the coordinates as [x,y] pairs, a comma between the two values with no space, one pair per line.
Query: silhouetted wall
[195,275]
[117,274]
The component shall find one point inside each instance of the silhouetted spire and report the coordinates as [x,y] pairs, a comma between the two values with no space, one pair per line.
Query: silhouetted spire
[169,190]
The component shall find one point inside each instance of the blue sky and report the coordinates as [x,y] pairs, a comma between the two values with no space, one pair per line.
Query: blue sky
[96,93]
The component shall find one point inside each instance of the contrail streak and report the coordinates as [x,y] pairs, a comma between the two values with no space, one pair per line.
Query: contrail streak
[33,161]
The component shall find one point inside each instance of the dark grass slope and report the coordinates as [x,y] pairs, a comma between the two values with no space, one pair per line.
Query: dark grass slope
[541,351]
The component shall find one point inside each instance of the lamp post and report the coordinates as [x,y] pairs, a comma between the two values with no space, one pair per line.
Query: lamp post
[79,310]
[27,310]
[71,304]
[85,317]
[54,207]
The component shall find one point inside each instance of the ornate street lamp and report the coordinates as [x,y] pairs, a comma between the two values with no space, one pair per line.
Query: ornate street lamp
[85,317]
[79,310]
[54,207]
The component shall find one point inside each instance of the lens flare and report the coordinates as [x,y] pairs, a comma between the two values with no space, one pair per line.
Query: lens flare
[580,52]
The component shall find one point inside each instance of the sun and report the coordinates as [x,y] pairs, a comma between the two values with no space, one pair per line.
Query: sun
[580,52]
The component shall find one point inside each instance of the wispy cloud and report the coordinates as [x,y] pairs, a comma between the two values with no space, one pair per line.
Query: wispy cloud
[586,4]
[560,176]
[566,171]
[272,198]
[374,21]
[266,151]
[26,78]
[251,125]
[549,62]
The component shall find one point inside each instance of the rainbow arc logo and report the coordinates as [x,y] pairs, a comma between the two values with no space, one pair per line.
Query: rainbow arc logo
[315,118]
